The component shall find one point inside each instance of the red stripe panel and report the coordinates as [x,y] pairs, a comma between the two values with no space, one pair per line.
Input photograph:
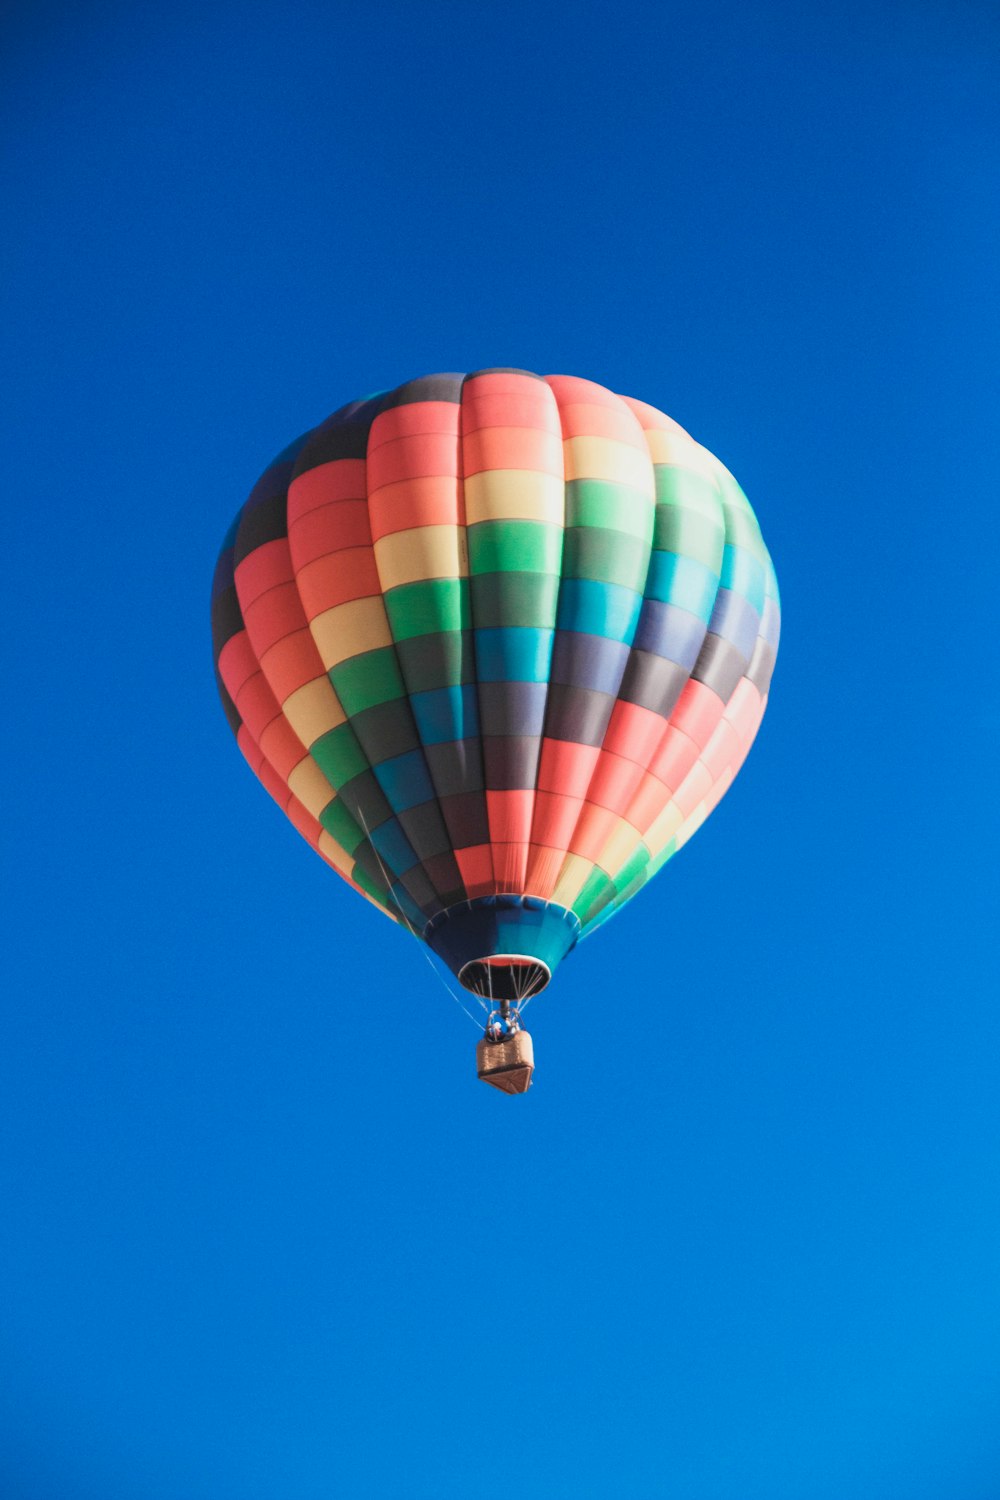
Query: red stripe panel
[340,479]
[237,663]
[434,500]
[272,616]
[337,579]
[441,417]
[419,456]
[331,528]
[292,663]
[261,570]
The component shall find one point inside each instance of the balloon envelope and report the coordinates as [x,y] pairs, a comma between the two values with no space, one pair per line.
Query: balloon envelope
[497,645]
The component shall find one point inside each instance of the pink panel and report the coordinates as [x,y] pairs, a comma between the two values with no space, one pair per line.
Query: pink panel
[566,767]
[697,712]
[633,732]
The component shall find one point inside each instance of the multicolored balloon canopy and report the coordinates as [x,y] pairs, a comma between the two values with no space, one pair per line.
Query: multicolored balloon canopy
[497,645]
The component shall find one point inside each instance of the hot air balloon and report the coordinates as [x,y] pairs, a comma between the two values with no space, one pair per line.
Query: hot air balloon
[497,645]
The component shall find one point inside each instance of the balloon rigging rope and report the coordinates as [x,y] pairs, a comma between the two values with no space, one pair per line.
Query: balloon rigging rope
[411,929]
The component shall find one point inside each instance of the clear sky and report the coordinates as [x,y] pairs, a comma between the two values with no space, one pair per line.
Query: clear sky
[742,1239]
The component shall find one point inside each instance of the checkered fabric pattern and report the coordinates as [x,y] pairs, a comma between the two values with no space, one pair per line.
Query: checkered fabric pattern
[497,645]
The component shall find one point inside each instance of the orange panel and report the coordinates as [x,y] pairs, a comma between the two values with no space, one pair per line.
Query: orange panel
[419,455]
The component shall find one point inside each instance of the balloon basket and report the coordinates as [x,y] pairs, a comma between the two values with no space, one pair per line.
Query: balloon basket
[507,1062]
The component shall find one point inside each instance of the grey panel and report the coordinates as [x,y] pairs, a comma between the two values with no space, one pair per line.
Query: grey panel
[512,707]
[445,876]
[653,682]
[586,550]
[261,524]
[736,620]
[365,800]
[503,599]
[456,766]
[386,730]
[720,666]
[762,665]
[227,618]
[465,816]
[416,882]
[588,661]
[577,714]
[667,630]
[424,388]
[424,827]
[439,660]
[511,762]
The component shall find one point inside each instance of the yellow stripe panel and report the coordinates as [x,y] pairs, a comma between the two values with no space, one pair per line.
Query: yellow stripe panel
[311,787]
[348,629]
[313,709]
[664,828]
[684,453]
[619,848]
[575,873]
[514,495]
[336,855]
[422,552]
[604,458]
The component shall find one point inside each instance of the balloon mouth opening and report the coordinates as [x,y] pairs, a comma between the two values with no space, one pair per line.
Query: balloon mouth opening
[505,976]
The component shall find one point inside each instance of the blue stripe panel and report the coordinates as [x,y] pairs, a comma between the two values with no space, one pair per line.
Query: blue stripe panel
[502,924]
[393,847]
[448,713]
[742,573]
[405,780]
[670,632]
[588,661]
[518,653]
[682,581]
[736,620]
[770,622]
[593,608]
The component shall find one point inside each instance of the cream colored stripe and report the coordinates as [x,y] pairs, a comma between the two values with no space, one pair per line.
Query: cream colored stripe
[335,854]
[514,495]
[663,829]
[422,552]
[620,847]
[683,453]
[311,787]
[573,878]
[604,458]
[348,629]
[313,709]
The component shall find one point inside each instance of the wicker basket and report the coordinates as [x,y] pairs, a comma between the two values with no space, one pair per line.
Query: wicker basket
[508,1063]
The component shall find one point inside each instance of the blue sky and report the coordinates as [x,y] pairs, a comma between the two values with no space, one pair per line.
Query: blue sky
[248,1250]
